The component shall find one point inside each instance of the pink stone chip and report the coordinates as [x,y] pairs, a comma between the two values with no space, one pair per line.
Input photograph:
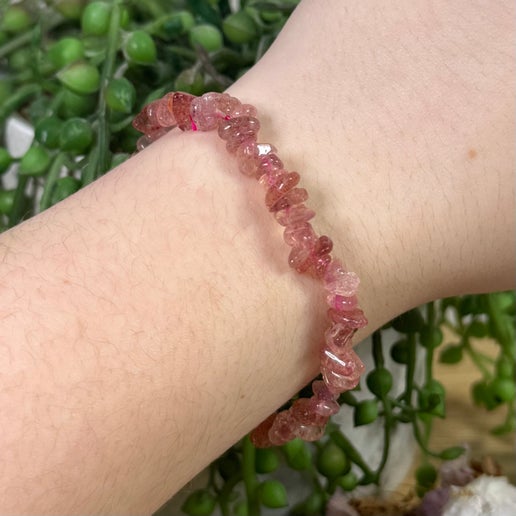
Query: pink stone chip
[341,372]
[351,318]
[341,303]
[301,235]
[282,429]
[338,338]
[303,411]
[249,154]
[310,433]
[181,103]
[294,215]
[260,435]
[339,281]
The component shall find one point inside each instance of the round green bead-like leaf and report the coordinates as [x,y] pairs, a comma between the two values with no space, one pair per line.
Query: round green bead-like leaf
[400,351]
[272,494]
[47,131]
[76,135]
[297,454]
[451,354]
[63,188]
[365,412]
[348,482]
[70,9]
[239,28]
[15,19]
[121,95]
[409,322]
[74,104]
[95,19]
[504,365]
[140,48]
[332,461]
[478,329]
[426,475]
[199,503]
[35,162]
[66,51]
[379,381]
[229,464]
[266,460]
[207,36]
[431,398]
[430,337]
[21,59]
[82,78]
[7,201]
[503,389]
[5,160]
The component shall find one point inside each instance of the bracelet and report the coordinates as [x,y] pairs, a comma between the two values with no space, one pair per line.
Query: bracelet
[238,126]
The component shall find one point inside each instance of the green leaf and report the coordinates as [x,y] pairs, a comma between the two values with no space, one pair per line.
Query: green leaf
[272,494]
[451,354]
[452,453]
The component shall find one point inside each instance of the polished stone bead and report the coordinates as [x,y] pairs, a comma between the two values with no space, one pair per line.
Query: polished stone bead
[283,184]
[267,168]
[181,103]
[164,112]
[300,258]
[294,215]
[341,372]
[339,281]
[228,105]
[310,433]
[301,235]
[354,318]
[146,121]
[341,303]
[319,265]
[304,411]
[291,198]
[249,154]
[236,131]
[282,429]
[204,111]
[326,400]
[338,337]
[260,435]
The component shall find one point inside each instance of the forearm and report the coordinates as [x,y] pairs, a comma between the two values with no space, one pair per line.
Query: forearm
[151,320]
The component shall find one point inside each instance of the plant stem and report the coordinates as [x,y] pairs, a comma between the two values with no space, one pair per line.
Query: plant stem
[103,132]
[351,452]
[378,349]
[19,201]
[52,176]
[411,368]
[249,475]
[18,99]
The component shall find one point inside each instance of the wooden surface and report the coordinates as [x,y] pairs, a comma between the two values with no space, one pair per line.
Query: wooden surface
[466,423]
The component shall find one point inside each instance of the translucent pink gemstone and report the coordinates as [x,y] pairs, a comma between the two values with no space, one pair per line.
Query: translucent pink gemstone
[282,428]
[319,265]
[294,215]
[323,246]
[269,165]
[145,140]
[260,435]
[236,131]
[228,105]
[300,258]
[284,184]
[339,281]
[341,303]
[351,318]
[303,410]
[310,433]
[341,372]
[164,113]
[291,198]
[338,337]
[146,121]
[248,155]
[326,403]
[301,235]
[204,111]
[181,103]
[246,109]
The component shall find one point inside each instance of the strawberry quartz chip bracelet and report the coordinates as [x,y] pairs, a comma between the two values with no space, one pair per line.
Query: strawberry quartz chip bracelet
[237,124]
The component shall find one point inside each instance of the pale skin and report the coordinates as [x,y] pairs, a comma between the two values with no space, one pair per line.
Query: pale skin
[150,321]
